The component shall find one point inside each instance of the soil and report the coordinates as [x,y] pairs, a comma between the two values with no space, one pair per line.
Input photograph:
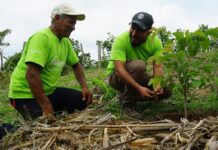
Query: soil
[192,116]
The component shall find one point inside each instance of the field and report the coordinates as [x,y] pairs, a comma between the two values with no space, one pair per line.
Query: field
[101,125]
[202,105]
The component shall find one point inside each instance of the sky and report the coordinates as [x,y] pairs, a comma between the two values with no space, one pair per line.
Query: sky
[25,17]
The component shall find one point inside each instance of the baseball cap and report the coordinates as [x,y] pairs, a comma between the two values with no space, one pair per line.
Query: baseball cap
[143,20]
[67,9]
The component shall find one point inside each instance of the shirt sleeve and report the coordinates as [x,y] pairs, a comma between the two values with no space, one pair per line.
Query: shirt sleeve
[118,51]
[37,49]
[72,57]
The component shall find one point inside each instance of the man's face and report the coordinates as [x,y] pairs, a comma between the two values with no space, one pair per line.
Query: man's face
[137,35]
[66,24]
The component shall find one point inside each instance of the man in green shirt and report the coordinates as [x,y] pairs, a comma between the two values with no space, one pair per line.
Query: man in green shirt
[127,65]
[33,88]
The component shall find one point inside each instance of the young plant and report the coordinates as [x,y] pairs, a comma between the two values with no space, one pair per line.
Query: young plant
[188,70]
[181,58]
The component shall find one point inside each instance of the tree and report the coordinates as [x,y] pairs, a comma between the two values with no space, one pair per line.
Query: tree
[12,61]
[106,44]
[3,44]
[163,34]
[212,34]
[85,58]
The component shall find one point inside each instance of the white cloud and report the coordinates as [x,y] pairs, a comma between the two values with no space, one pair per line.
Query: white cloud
[25,17]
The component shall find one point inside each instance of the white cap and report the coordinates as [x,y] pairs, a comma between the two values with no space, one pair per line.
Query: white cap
[67,10]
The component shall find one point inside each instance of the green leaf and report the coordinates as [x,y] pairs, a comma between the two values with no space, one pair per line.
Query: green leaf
[208,68]
[155,81]
[205,45]
[168,47]
[196,63]
[196,83]
[216,80]
[181,56]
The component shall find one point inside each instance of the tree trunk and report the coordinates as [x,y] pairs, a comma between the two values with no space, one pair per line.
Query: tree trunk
[98,43]
[185,104]
[83,55]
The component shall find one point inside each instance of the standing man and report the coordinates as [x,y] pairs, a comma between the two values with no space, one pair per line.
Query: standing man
[33,88]
[127,66]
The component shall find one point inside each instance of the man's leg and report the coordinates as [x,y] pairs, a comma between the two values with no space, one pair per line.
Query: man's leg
[67,99]
[28,108]
[136,69]
[63,99]
[130,95]
[115,82]
[127,93]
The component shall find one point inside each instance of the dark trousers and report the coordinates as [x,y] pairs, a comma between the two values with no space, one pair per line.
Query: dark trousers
[63,99]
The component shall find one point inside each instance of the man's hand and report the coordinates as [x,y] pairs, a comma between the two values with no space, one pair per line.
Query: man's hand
[145,92]
[47,110]
[86,95]
[48,114]
[158,90]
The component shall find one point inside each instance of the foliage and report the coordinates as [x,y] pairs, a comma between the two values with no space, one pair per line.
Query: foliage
[106,90]
[212,34]
[187,69]
[85,58]
[163,34]
[190,67]
[3,44]
[11,62]
[106,44]
[2,37]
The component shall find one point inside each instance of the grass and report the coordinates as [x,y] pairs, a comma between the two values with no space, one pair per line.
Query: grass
[96,81]
[7,112]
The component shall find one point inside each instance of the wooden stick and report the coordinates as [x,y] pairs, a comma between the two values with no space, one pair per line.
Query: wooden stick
[119,144]
[209,142]
[24,145]
[104,119]
[105,139]
[48,143]
[197,126]
[168,136]
[89,127]
[89,137]
[194,141]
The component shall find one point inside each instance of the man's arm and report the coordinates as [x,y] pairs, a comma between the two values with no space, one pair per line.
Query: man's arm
[158,71]
[80,76]
[126,77]
[35,83]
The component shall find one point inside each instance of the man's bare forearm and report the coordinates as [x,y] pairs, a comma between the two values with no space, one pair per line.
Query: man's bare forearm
[157,69]
[35,83]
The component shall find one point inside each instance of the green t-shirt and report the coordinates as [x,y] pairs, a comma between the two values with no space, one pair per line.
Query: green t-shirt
[123,50]
[45,49]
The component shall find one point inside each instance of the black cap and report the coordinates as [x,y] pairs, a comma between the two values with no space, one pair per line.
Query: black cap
[143,20]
